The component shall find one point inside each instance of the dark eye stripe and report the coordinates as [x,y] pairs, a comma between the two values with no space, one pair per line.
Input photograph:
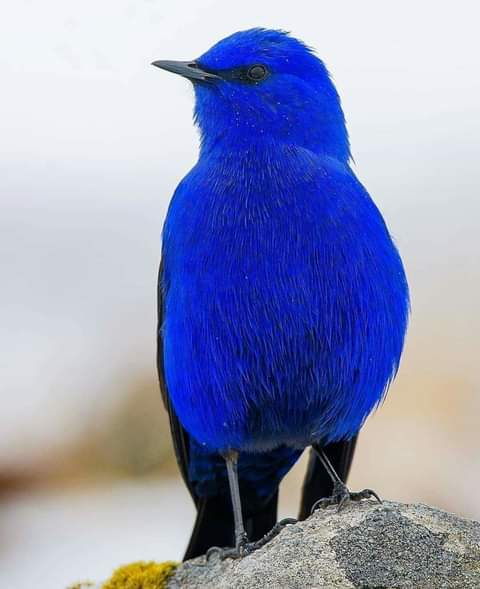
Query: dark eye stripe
[252,74]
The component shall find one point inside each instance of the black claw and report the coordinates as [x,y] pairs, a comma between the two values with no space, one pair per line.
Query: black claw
[344,500]
[371,494]
[224,553]
[342,496]
[277,528]
[321,504]
[214,550]
[244,547]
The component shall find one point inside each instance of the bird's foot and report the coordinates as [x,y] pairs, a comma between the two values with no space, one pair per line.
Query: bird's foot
[342,496]
[223,553]
[243,547]
[277,528]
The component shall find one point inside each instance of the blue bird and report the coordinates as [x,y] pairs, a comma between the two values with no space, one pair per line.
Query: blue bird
[283,302]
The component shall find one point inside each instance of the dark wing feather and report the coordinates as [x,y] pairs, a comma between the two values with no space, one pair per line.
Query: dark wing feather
[179,435]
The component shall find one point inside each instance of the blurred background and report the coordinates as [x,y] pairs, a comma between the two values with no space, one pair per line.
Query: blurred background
[93,142]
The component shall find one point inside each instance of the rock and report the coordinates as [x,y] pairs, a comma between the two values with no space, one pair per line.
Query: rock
[365,546]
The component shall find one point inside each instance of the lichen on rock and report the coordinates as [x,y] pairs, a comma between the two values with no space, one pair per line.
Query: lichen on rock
[365,546]
[141,575]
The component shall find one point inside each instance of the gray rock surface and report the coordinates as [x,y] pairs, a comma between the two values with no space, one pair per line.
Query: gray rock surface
[365,546]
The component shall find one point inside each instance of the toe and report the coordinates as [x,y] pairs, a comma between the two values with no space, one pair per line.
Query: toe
[322,503]
[371,494]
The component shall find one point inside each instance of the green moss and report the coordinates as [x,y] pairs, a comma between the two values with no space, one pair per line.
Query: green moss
[141,575]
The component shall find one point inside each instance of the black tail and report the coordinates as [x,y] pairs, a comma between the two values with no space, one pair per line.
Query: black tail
[317,483]
[214,523]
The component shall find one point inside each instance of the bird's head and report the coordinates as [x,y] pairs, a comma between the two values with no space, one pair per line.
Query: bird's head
[263,85]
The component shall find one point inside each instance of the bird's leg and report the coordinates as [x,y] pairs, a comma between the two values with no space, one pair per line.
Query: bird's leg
[241,539]
[341,495]
[242,545]
[231,460]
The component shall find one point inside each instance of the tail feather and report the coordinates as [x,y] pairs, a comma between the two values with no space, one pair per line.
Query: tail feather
[213,526]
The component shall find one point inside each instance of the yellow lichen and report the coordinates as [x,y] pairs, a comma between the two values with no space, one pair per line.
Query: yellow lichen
[141,575]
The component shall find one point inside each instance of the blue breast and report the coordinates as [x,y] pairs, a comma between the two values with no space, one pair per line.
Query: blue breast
[286,300]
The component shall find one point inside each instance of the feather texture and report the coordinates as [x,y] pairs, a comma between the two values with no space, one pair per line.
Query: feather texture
[284,301]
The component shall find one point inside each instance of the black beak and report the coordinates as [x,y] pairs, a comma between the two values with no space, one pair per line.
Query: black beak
[187,69]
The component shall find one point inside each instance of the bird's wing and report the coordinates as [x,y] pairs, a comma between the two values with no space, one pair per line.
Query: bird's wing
[179,435]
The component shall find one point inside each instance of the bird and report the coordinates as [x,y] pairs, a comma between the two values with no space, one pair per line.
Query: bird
[283,301]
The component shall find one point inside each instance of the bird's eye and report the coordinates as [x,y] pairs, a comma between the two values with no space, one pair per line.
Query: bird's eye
[257,73]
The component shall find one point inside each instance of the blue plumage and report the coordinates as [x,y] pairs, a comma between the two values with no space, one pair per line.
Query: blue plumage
[285,299]
[297,104]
